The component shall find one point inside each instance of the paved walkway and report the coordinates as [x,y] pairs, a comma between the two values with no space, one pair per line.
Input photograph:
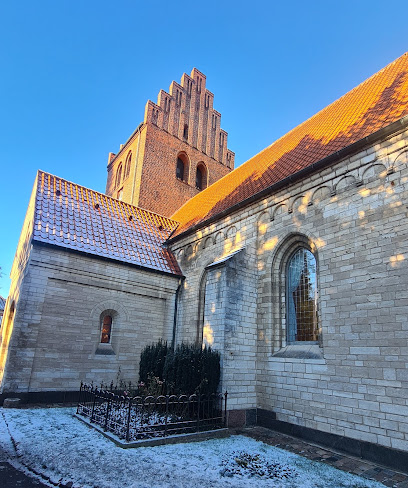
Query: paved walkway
[11,477]
[324,455]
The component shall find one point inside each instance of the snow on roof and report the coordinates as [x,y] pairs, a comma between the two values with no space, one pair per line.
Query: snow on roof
[75,217]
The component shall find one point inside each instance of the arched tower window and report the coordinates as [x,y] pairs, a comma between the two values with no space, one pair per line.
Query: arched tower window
[185,131]
[301,297]
[182,167]
[201,177]
[127,164]
[118,175]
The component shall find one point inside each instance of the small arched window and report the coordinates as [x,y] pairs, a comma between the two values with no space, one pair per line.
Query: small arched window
[118,176]
[180,169]
[301,297]
[127,164]
[106,329]
[185,131]
[201,177]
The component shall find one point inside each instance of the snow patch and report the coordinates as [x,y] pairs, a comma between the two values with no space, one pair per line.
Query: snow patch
[62,448]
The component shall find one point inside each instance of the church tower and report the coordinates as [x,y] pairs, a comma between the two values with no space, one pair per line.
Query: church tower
[177,151]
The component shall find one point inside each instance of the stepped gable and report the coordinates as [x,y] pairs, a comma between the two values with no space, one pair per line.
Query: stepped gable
[371,106]
[190,105]
[75,217]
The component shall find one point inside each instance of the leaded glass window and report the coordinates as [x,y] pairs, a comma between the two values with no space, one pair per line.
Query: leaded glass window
[301,297]
[106,329]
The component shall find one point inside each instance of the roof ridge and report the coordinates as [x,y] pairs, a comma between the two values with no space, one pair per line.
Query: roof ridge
[121,202]
[319,112]
[371,105]
[78,218]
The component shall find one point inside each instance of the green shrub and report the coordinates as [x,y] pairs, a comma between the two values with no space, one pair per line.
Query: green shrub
[152,362]
[187,369]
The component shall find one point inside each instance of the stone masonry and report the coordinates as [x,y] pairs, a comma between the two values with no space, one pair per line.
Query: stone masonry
[353,217]
[56,329]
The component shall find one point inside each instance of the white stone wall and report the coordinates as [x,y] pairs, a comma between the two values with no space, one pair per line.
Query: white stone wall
[55,340]
[354,218]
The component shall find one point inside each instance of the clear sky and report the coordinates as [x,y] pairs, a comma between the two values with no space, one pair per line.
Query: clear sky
[76,75]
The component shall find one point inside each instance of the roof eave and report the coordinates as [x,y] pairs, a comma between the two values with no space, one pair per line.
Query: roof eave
[105,258]
[295,177]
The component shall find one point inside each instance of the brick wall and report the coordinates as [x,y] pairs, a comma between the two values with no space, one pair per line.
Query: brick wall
[353,216]
[182,122]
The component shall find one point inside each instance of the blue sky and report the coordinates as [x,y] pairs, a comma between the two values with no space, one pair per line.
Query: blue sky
[76,76]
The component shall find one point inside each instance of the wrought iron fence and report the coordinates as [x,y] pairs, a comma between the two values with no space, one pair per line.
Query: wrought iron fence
[138,417]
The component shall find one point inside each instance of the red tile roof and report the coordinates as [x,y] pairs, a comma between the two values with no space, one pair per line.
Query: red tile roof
[371,106]
[74,217]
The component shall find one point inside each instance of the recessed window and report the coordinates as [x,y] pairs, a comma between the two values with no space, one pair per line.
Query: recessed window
[118,175]
[106,329]
[127,164]
[201,177]
[119,195]
[185,131]
[180,169]
[301,297]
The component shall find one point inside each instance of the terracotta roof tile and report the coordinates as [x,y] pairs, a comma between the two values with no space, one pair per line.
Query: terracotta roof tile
[74,217]
[371,106]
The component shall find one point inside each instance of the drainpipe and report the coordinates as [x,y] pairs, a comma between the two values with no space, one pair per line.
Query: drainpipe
[173,341]
[136,160]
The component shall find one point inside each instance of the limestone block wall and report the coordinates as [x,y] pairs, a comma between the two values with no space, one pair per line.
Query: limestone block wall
[55,340]
[228,325]
[353,217]
[17,275]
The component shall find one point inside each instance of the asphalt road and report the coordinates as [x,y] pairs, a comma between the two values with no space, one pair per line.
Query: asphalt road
[11,477]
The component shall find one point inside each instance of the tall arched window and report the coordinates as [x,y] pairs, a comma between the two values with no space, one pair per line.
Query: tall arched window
[180,169]
[127,164]
[118,176]
[301,297]
[185,131]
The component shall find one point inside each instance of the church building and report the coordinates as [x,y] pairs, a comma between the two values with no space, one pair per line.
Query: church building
[292,265]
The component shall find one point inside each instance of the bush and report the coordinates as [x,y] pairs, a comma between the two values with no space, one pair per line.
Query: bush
[152,362]
[187,369]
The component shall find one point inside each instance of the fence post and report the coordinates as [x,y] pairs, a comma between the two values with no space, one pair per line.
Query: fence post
[107,411]
[167,414]
[79,398]
[225,408]
[94,402]
[198,411]
[128,419]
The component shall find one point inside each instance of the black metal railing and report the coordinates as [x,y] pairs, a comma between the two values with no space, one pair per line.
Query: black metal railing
[144,417]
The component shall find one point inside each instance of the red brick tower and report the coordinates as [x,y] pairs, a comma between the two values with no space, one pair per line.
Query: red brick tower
[177,151]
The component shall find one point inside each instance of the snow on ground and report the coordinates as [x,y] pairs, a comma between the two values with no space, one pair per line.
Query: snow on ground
[56,444]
